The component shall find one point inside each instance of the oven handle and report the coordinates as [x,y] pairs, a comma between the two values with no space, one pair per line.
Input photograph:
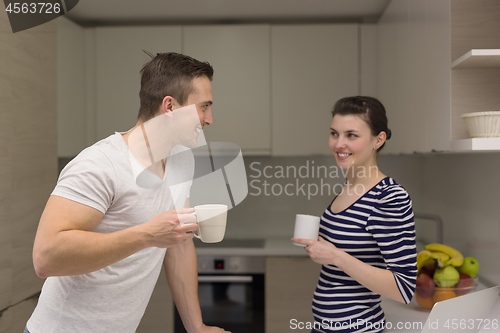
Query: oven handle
[225,278]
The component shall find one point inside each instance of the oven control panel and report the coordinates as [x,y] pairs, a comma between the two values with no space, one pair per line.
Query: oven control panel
[231,264]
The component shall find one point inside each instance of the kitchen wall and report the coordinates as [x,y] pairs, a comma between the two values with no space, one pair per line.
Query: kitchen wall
[304,187]
[28,160]
[461,188]
[71,90]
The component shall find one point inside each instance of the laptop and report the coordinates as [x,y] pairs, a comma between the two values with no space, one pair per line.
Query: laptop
[464,314]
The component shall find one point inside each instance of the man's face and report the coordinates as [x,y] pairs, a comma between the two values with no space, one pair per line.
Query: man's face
[202,98]
[189,124]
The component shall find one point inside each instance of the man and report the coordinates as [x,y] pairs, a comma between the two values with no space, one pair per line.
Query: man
[102,239]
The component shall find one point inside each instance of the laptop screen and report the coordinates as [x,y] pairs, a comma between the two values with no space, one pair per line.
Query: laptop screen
[465,314]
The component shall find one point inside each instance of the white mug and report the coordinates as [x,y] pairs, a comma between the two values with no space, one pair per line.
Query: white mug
[306,226]
[211,221]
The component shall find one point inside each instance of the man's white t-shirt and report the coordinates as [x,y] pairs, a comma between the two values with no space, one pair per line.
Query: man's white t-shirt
[112,299]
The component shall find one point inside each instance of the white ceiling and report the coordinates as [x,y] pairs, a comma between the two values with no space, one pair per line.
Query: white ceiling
[119,12]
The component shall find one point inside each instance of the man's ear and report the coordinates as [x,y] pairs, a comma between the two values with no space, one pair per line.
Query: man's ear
[167,105]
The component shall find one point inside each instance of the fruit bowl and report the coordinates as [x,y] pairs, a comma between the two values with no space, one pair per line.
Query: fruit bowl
[428,291]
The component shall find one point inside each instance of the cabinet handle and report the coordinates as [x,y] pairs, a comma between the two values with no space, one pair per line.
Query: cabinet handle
[225,278]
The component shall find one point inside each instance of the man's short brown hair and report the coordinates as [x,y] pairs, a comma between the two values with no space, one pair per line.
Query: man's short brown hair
[169,74]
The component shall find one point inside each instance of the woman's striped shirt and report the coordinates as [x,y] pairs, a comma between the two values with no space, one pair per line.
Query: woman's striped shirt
[377,229]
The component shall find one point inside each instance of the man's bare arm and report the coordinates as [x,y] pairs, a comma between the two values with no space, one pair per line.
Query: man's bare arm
[181,269]
[65,244]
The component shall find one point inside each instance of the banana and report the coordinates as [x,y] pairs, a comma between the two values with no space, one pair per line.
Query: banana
[441,258]
[456,258]
[424,258]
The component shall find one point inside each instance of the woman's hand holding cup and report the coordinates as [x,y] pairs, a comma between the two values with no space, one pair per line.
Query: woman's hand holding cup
[306,234]
[306,227]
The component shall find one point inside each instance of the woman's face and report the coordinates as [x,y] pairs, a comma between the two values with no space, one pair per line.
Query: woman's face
[351,142]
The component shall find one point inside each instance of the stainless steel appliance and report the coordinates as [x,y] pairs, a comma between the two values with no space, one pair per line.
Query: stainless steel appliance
[231,289]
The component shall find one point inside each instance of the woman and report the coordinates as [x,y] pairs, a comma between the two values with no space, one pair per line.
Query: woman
[367,235]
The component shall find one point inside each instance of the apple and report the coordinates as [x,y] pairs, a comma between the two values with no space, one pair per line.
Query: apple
[425,285]
[464,284]
[428,270]
[469,267]
[446,277]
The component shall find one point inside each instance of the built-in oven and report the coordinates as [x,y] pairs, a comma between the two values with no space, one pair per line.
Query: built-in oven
[231,292]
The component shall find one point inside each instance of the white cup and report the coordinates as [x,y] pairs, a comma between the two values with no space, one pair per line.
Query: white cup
[211,221]
[306,226]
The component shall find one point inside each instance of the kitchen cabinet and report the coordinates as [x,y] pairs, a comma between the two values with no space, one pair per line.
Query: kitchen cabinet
[119,58]
[425,94]
[159,315]
[290,284]
[414,74]
[312,67]
[240,56]
[274,85]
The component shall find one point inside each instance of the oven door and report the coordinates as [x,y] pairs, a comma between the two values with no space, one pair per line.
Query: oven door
[232,302]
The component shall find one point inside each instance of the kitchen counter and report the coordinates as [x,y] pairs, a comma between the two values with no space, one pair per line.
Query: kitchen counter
[270,247]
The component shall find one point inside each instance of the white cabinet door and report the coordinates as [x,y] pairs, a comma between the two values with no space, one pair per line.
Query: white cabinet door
[290,284]
[159,315]
[241,83]
[119,59]
[312,67]
[414,74]
[401,74]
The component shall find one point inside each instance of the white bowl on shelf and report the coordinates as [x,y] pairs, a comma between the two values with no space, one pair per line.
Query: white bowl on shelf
[484,124]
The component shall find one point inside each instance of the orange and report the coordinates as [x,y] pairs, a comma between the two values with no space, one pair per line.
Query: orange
[442,294]
[425,303]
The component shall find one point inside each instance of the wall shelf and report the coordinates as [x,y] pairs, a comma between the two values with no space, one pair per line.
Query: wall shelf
[478,58]
[475,144]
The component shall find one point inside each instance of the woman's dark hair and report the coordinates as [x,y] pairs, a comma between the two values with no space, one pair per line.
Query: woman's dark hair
[369,109]
[168,74]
